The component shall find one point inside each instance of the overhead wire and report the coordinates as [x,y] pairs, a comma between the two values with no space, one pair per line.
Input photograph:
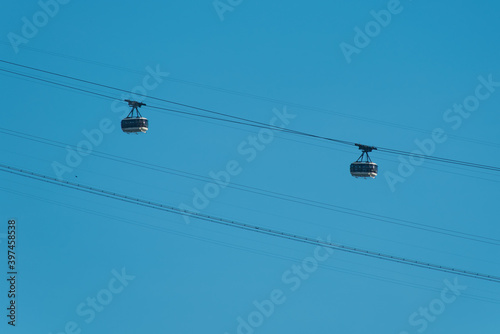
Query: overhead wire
[150,97]
[267,193]
[258,97]
[240,247]
[236,119]
[444,160]
[247,227]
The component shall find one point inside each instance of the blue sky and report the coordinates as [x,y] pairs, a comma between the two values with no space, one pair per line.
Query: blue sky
[88,264]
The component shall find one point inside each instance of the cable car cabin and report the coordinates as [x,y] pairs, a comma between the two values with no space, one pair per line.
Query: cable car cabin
[364,169]
[137,123]
[134,124]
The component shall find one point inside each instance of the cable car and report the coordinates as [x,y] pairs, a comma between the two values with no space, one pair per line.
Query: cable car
[137,123]
[364,167]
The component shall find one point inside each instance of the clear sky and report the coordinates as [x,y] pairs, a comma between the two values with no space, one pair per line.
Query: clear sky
[408,75]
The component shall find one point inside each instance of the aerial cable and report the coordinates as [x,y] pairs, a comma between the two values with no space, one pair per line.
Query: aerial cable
[253,96]
[268,193]
[241,121]
[247,122]
[128,92]
[240,247]
[180,104]
[58,84]
[258,125]
[248,227]
[438,159]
